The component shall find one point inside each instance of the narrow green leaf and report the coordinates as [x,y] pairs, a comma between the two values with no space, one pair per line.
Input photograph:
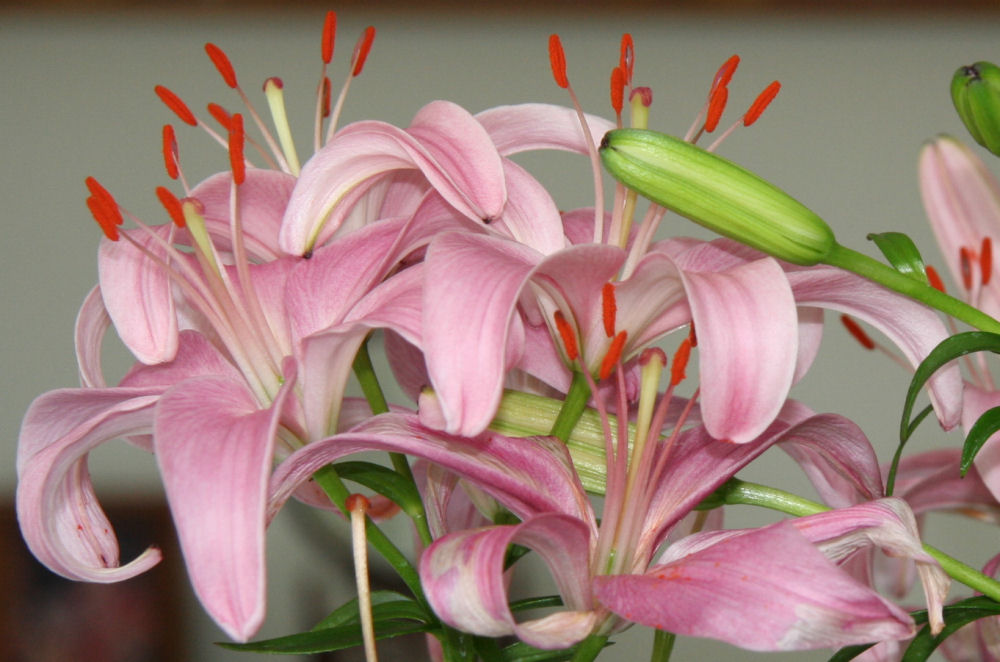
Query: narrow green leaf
[330,639]
[387,604]
[521,652]
[901,253]
[955,616]
[542,602]
[848,653]
[980,431]
[385,481]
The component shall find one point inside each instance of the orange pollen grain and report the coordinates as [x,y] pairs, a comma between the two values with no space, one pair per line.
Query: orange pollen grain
[934,278]
[761,103]
[172,205]
[986,259]
[362,49]
[965,262]
[716,105]
[557,58]
[859,334]
[617,89]
[222,63]
[170,151]
[329,33]
[614,355]
[609,308]
[681,358]
[174,103]
[567,336]
[236,139]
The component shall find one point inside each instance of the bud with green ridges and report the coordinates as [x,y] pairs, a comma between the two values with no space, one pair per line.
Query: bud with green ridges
[975,91]
[717,194]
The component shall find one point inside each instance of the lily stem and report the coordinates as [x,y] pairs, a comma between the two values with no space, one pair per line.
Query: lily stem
[663,646]
[736,491]
[590,648]
[572,408]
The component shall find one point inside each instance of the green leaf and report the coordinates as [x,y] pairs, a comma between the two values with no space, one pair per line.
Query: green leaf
[521,652]
[542,602]
[980,431]
[387,604]
[399,489]
[849,652]
[901,253]
[955,616]
[330,639]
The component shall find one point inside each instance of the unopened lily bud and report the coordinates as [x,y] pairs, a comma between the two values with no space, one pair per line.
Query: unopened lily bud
[975,91]
[716,194]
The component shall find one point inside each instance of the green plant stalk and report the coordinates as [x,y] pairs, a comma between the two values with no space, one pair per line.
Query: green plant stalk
[663,646]
[736,491]
[364,371]
[590,648]
[572,407]
[867,267]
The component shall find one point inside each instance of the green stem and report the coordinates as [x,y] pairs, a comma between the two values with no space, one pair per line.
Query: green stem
[861,264]
[572,407]
[736,491]
[663,646]
[590,648]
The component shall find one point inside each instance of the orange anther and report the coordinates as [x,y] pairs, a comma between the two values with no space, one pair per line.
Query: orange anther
[100,214]
[692,335]
[761,103]
[626,60]
[617,89]
[934,278]
[986,259]
[614,355]
[170,151]
[221,116]
[172,205]
[609,308]
[361,50]
[679,365]
[557,58]
[329,33]
[859,334]
[965,263]
[236,139]
[105,200]
[222,63]
[174,103]
[725,73]
[567,336]
[716,105]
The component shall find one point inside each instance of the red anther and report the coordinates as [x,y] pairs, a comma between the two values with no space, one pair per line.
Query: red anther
[105,201]
[329,33]
[679,365]
[617,89]
[221,116]
[965,263]
[609,308]
[626,61]
[172,205]
[236,139]
[716,105]
[613,356]
[362,49]
[174,103]
[326,97]
[557,58]
[725,73]
[934,278]
[761,103]
[357,503]
[170,151]
[645,95]
[99,212]
[222,63]
[986,259]
[567,336]
[859,334]
[692,335]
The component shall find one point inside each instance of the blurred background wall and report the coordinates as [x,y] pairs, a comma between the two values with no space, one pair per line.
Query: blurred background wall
[862,88]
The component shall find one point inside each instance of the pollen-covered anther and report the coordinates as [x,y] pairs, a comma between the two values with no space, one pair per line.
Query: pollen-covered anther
[222,63]
[174,103]
[965,266]
[170,151]
[986,260]
[236,143]
[681,358]
[857,332]
[557,58]
[221,115]
[172,205]
[361,50]
[609,308]
[934,278]
[626,58]
[716,105]
[329,34]
[761,103]
[103,207]
[725,73]
[567,336]
[613,356]
[617,90]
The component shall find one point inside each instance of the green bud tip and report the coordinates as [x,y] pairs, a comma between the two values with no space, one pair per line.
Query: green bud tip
[975,91]
[717,194]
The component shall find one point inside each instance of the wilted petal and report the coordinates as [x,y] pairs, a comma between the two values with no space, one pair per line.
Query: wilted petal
[92,323]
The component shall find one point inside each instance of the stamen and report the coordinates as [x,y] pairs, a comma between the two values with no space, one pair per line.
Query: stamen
[692,335]
[609,308]
[934,278]
[361,50]
[613,356]
[103,218]
[617,91]
[221,115]
[761,103]
[325,110]
[236,140]
[273,89]
[677,368]
[105,200]
[358,506]
[329,33]
[986,260]
[222,63]
[626,61]
[172,205]
[859,334]
[716,105]
[725,73]
[170,151]
[965,262]
[567,335]
[557,58]
[174,103]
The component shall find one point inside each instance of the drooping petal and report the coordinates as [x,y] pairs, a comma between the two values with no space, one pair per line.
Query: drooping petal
[196,357]
[763,589]
[60,517]
[533,126]
[530,215]
[463,575]
[214,446]
[92,323]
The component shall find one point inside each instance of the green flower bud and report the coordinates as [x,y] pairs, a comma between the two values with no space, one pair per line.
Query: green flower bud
[716,194]
[975,91]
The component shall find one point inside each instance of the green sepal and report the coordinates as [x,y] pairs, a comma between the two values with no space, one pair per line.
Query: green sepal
[399,489]
[901,253]
[980,431]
